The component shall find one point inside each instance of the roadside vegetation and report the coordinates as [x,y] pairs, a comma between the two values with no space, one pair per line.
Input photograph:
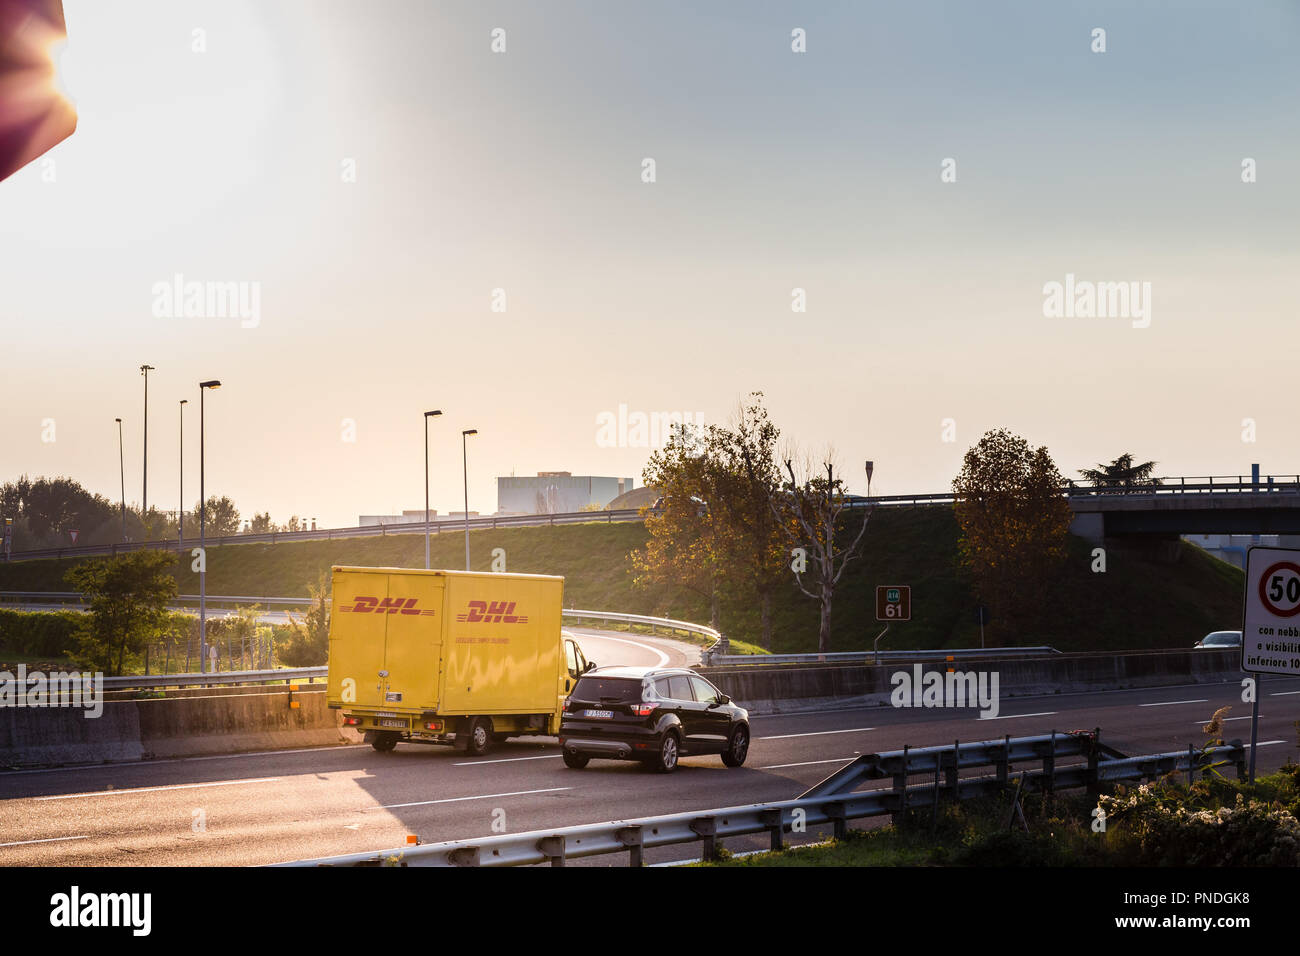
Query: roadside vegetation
[1215,822]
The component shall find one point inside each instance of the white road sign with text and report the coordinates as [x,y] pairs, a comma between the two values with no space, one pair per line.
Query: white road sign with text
[1270,631]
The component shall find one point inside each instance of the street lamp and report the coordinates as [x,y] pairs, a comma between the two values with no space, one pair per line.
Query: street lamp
[121,464]
[144,495]
[427,416]
[464,437]
[180,512]
[203,555]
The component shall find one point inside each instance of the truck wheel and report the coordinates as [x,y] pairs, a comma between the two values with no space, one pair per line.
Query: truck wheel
[666,760]
[737,747]
[576,761]
[384,742]
[480,736]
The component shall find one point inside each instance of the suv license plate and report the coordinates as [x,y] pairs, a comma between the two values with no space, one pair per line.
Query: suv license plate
[392,723]
[598,714]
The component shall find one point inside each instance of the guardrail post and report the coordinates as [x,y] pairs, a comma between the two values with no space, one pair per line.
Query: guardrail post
[836,811]
[775,827]
[707,829]
[1191,765]
[631,838]
[1239,752]
[1093,788]
[553,848]
[900,789]
[1049,768]
[952,771]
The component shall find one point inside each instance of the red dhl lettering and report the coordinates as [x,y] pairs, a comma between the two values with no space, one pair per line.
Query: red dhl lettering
[365,605]
[498,612]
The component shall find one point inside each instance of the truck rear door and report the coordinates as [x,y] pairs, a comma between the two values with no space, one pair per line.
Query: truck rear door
[385,637]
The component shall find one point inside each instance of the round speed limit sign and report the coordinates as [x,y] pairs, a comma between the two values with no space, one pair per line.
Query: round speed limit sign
[1279,589]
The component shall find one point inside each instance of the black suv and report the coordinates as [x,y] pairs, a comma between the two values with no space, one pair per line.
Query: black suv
[651,714]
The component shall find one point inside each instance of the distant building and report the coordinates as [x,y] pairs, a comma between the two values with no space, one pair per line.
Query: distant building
[406,517]
[557,492]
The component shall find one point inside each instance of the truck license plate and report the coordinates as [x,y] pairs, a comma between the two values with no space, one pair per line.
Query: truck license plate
[392,723]
[598,714]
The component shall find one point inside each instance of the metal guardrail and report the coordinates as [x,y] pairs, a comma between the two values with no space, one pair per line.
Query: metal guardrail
[75,597]
[667,623]
[868,657]
[154,681]
[830,802]
[1208,484]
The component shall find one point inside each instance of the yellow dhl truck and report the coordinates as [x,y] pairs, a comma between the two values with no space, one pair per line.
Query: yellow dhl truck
[449,657]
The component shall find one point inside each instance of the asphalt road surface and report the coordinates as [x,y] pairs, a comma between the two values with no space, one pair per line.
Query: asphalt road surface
[289,805]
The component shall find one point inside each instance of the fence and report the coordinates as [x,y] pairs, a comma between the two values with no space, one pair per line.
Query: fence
[831,802]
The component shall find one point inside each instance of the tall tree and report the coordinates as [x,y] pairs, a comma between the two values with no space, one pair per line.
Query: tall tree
[811,513]
[221,520]
[686,536]
[747,478]
[128,599]
[1014,527]
[1123,472]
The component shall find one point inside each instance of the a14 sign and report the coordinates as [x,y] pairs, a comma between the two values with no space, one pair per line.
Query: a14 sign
[893,602]
[1270,629]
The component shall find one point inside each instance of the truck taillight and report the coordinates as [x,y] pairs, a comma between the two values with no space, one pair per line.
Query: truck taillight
[433,725]
[643,709]
[351,721]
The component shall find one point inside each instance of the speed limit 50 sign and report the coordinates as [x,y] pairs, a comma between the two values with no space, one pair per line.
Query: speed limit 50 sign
[1270,630]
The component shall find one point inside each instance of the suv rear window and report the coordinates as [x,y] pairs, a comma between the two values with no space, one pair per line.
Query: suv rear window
[619,689]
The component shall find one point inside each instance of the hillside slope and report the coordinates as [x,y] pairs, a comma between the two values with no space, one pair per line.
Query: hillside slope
[1146,598]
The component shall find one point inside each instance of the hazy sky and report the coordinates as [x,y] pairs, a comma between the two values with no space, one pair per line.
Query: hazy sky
[775,170]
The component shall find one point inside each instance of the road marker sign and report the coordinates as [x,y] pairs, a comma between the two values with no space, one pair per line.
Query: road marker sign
[893,602]
[1270,629]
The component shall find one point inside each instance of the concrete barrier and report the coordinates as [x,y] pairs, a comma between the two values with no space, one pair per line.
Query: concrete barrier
[784,688]
[185,726]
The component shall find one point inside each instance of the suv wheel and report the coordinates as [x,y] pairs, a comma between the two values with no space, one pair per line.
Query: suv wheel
[666,761]
[576,761]
[737,747]
[384,741]
[480,736]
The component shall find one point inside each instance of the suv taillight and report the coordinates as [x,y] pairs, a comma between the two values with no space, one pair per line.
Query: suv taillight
[643,709]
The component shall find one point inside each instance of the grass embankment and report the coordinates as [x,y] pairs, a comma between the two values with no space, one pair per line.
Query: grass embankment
[1149,597]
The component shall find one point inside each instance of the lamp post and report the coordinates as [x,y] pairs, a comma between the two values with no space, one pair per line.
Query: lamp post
[121,464]
[144,495]
[464,451]
[180,511]
[427,416]
[203,556]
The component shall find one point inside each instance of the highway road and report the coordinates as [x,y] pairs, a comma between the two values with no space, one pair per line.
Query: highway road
[287,805]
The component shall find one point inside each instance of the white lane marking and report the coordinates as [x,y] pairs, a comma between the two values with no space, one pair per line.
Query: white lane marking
[806,763]
[817,733]
[46,840]
[485,796]
[126,765]
[175,786]
[1046,713]
[1171,703]
[1225,719]
[663,658]
[476,763]
[1267,743]
[1284,693]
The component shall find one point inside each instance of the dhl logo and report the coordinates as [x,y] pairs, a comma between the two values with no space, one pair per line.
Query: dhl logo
[365,605]
[498,612]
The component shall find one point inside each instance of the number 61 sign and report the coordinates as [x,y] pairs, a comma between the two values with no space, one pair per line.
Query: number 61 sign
[1270,631]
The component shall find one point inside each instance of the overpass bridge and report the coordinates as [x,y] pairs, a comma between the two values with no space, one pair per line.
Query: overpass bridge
[1181,505]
